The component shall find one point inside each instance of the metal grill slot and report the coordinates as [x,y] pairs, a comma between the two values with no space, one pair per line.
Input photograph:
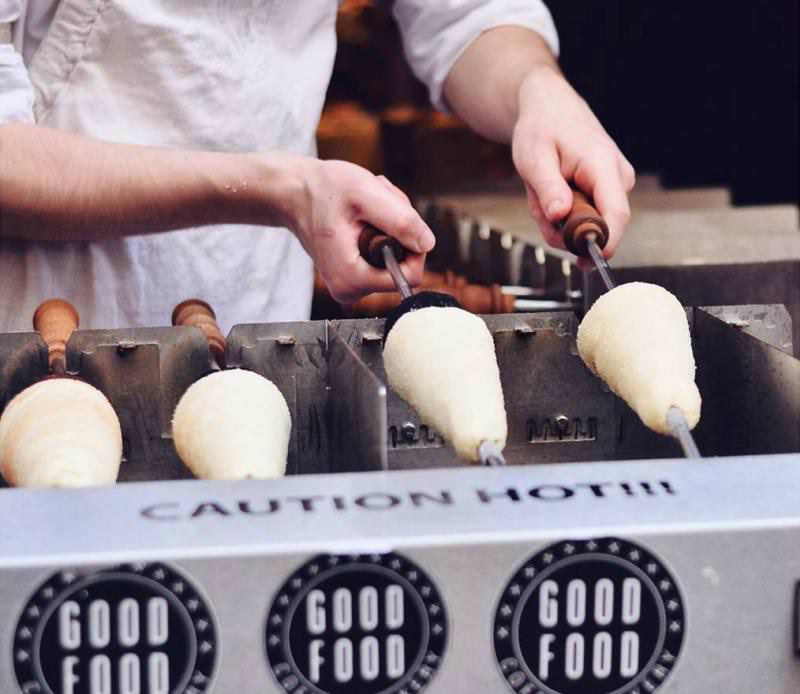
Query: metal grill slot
[562,430]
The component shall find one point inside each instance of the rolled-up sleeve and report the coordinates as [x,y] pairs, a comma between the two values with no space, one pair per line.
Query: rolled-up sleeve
[436,32]
[16,91]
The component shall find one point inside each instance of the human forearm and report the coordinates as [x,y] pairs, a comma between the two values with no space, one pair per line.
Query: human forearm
[57,186]
[498,62]
[508,87]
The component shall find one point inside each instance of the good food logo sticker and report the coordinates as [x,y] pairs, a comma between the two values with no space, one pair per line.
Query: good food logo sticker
[356,624]
[602,616]
[136,628]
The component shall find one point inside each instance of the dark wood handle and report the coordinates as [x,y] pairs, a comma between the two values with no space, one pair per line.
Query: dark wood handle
[55,320]
[198,313]
[582,221]
[371,243]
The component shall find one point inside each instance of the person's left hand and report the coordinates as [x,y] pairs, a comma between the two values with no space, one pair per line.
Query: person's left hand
[557,140]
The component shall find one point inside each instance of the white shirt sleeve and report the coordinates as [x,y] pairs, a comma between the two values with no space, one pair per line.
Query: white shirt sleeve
[436,32]
[16,91]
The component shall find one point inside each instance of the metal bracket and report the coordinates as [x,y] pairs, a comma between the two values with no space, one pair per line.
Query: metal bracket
[143,372]
[357,411]
[23,361]
[770,323]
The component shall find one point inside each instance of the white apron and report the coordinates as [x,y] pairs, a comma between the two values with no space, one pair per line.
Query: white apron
[194,74]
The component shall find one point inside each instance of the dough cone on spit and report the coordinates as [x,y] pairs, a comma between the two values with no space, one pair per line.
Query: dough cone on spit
[441,360]
[233,424]
[60,432]
[636,338]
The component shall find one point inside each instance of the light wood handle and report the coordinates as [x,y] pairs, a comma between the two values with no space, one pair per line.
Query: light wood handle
[55,320]
[197,313]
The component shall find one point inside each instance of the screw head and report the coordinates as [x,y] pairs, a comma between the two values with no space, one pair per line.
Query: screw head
[409,431]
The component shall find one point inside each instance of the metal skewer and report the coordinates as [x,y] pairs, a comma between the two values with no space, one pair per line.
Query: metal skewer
[599,261]
[490,454]
[676,421]
[393,268]
[532,305]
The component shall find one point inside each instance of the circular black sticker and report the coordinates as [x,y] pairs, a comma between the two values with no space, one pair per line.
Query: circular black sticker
[356,624]
[602,616]
[140,628]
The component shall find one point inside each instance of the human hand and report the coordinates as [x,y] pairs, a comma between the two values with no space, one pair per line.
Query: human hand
[332,204]
[557,140]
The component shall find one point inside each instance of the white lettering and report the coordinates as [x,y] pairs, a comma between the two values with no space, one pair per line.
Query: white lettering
[601,655]
[395,607]
[604,602]
[369,655]
[69,628]
[157,621]
[573,656]
[368,609]
[315,612]
[395,656]
[128,622]
[629,654]
[546,655]
[548,607]
[100,675]
[129,676]
[99,624]
[158,673]
[576,602]
[68,677]
[343,660]
[315,659]
[631,600]
[342,610]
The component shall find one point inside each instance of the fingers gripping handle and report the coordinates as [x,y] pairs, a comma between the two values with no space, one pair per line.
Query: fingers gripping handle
[371,244]
[583,221]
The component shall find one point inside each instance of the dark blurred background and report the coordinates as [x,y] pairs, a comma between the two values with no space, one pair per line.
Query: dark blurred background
[701,93]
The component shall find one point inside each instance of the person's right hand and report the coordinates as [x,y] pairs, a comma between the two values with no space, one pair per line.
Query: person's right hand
[328,211]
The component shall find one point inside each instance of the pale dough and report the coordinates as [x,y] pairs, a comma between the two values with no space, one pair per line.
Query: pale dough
[442,361]
[233,424]
[60,432]
[636,338]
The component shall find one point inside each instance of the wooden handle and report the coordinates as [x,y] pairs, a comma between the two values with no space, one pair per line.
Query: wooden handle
[582,221]
[197,313]
[371,243]
[55,320]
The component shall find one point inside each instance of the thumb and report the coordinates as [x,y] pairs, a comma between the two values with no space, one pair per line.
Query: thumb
[541,170]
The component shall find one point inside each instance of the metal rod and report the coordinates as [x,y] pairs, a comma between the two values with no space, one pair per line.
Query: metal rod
[393,267]
[533,305]
[490,454]
[523,292]
[599,261]
[676,421]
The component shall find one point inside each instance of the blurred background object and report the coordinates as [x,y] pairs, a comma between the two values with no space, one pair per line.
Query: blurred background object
[701,94]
